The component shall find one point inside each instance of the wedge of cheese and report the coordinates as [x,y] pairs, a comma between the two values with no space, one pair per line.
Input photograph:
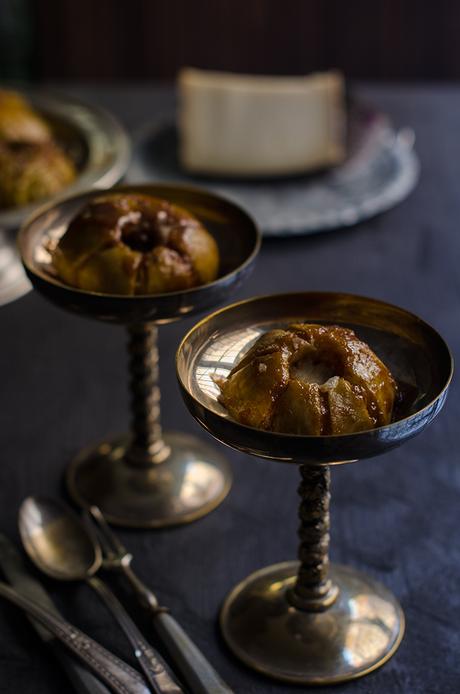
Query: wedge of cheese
[242,125]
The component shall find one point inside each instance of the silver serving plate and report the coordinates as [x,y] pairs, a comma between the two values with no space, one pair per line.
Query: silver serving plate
[101,150]
[380,170]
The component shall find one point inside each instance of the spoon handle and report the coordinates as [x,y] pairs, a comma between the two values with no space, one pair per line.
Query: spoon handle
[155,669]
[118,675]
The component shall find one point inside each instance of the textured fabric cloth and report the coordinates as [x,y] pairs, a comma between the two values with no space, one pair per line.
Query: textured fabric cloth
[397,517]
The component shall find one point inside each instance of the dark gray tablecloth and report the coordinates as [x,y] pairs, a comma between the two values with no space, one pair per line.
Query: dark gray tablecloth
[63,385]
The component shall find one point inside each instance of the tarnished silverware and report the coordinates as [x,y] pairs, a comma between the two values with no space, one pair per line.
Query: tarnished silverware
[64,548]
[12,565]
[120,677]
[197,673]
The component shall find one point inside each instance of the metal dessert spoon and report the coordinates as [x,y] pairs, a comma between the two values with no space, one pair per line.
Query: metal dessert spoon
[63,547]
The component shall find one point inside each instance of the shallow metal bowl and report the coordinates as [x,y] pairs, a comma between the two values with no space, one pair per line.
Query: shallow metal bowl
[414,352]
[234,230]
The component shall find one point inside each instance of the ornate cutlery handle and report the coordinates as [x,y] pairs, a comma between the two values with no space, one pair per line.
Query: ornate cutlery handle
[117,674]
[152,664]
[83,680]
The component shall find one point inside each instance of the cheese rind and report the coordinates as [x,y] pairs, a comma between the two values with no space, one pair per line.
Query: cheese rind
[242,125]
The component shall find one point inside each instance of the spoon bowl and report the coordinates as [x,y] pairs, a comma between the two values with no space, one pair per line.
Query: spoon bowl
[57,541]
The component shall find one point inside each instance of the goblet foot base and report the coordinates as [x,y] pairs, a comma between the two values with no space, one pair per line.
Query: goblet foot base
[357,634]
[192,480]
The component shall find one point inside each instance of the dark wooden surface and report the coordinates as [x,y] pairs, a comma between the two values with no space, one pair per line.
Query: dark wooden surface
[147,39]
[397,517]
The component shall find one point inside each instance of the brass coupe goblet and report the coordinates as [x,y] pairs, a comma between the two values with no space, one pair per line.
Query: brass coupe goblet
[306,621]
[148,479]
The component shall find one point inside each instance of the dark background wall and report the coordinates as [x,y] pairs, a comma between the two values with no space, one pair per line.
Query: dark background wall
[150,39]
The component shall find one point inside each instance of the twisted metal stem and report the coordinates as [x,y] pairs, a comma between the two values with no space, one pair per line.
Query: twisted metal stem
[313,590]
[147,446]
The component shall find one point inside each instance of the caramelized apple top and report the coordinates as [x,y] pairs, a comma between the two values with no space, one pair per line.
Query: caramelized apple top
[310,379]
[135,244]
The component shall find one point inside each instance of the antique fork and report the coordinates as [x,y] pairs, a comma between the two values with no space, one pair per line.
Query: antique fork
[197,673]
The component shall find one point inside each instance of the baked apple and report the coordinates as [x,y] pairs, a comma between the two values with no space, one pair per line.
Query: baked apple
[19,122]
[135,244]
[32,171]
[310,379]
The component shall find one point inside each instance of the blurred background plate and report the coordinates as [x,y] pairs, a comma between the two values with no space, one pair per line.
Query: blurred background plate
[380,170]
[99,146]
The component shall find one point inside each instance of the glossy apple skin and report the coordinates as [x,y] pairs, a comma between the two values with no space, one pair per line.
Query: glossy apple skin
[131,244]
[310,379]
